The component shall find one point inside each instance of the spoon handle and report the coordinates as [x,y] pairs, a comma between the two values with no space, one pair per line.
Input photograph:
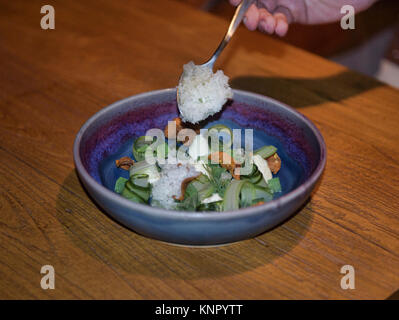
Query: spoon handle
[235,22]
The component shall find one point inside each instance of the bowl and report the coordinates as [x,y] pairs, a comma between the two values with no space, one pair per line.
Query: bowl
[109,134]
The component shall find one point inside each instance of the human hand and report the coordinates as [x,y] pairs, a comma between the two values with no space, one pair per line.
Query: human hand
[274,16]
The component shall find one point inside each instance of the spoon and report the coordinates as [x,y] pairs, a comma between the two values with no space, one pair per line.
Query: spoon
[235,22]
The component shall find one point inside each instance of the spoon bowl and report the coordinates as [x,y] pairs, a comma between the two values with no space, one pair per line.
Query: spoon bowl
[235,22]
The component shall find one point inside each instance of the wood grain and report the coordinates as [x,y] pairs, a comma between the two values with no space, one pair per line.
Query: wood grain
[101,51]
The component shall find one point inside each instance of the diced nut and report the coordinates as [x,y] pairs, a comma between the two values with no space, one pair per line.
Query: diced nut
[180,126]
[124,163]
[188,134]
[274,163]
[258,204]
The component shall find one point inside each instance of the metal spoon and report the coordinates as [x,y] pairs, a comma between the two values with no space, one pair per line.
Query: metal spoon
[235,22]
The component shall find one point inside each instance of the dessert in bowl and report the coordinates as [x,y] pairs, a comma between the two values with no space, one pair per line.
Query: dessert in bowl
[110,134]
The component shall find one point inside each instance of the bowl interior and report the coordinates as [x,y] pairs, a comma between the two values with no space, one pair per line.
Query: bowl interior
[111,134]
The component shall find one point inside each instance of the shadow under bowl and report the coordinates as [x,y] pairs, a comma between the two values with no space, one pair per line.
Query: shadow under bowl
[109,134]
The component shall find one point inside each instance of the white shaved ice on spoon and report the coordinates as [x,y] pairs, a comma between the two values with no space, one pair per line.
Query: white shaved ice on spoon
[201,93]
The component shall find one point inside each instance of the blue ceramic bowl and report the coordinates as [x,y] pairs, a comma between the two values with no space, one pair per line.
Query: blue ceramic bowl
[108,135]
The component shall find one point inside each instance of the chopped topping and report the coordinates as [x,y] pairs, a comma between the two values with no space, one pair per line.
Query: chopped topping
[202,179]
[184,186]
[213,198]
[258,203]
[124,163]
[170,183]
[199,147]
[179,127]
[274,163]
[226,161]
[263,167]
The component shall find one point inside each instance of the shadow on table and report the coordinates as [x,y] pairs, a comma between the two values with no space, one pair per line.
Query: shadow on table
[394,296]
[303,92]
[104,239]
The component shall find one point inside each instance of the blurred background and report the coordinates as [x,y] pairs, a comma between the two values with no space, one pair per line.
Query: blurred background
[372,48]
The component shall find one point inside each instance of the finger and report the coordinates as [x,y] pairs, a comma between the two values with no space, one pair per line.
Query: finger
[251,19]
[235,2]
[263,14]
[267,23]
[281,24]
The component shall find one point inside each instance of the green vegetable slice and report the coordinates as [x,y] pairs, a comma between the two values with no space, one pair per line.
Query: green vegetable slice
[266,151]
[126,193]
[143,167]
[262,194]
[191,200]
[248,193]
[120,184]
[274,185]
[242,193]
[136,189]
[255,177]
[141,145]
[220,130]
[231,200]
[218,177]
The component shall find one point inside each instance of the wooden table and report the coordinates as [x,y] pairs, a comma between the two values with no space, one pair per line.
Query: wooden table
[52,81]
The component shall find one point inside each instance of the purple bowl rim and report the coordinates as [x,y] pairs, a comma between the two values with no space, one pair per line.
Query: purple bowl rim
[190,215]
